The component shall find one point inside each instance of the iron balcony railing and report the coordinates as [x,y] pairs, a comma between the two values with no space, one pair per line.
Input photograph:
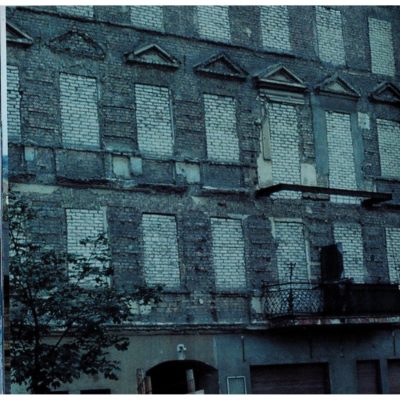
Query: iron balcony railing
[343,298]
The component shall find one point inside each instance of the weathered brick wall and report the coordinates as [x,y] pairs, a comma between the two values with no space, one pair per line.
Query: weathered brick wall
[341,154]
[330,36]
[393,254]
[154,120]
[275,27]
[79,116]
[174,174]
[150,17]
[284,146]
[389,147]
[291,249]
[161,259]
[228,253]
[13,103]
[79,11]
[381,44]
[349,235]
[220,120]
[213,23]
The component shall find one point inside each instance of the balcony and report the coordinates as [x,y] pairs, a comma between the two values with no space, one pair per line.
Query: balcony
[303,303]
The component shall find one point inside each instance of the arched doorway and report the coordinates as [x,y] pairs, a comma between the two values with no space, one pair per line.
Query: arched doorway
[171,377]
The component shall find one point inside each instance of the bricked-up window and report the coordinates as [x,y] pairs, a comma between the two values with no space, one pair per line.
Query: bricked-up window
[220,119]
[275,27]
[78,11]
[79,114]
[284,137]
[149,17]
[154,120]
[161,260]
[381,45]
[393,253]
[350,237]
[213,22]
[228,253]
[389,147]
[84,224]
[13,103]
[329,35]
[291,252]
[342,173]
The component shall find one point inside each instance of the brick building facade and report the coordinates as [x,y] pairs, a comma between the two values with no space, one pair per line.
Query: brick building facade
[163,126]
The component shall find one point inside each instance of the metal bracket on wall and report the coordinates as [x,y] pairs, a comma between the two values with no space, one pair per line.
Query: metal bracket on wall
[371,197]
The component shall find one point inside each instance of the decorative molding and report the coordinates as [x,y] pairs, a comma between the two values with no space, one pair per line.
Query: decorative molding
[385,92]
[337,86]
[221,66]
[16,36]
[78,44]
[277,83]
[152,54]
[280,77]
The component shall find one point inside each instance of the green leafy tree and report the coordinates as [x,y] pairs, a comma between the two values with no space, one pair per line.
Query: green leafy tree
[65,316]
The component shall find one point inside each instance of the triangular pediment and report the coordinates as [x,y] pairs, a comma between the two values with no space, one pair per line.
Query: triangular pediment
[281,78]
[386,92]
[78,44]
[336,85]
[221,66]
[152,54]
[17,36]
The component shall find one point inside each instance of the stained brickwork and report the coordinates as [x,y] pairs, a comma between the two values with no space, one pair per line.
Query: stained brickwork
[330,35]
[78,11]
[161,260]
[350,236]
[83,224]
[222,138]
[389,147]
[228,253]
[213,23]
[154,120]
[13,103]
[381,45]
[341,154]
[284,146]
[150,17]
[393,253]
[291,249]
[275,27]
[79,115]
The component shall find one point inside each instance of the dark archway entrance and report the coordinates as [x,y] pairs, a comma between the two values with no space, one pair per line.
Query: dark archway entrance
[170,377]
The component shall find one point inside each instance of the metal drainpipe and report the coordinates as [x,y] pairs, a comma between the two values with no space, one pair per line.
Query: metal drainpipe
[3,182]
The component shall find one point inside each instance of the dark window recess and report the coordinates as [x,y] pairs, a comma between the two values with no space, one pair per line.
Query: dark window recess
[96,391]
[368,377]
[290,379]
[331,263]
[59,392]
[394,376]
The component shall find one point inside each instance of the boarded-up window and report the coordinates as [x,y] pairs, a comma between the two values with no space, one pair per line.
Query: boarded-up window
[79,116]
[228,253]
[161,260]
[154,120]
